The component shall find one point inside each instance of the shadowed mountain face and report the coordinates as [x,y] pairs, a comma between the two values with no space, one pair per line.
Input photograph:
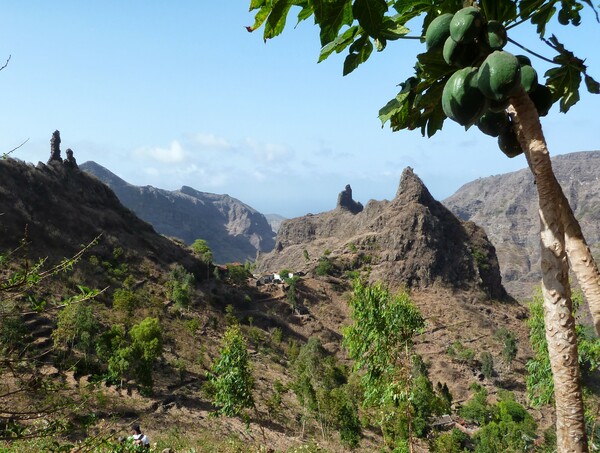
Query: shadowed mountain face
[233,230]
[506,206]
[59,210]
[412,240]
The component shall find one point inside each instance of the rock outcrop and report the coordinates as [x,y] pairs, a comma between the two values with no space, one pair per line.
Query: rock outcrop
[345,201]
[234,231]
[506,206]
[58,211]
[412,240]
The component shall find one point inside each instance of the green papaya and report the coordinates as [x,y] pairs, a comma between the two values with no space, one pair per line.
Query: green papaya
[542,99]
[438,31]
[523,60]
[499,106]
[493,124]
[499,75]
[466,24]
[461,99]
[529,78]
[494,35]
[509,144]
[460,54]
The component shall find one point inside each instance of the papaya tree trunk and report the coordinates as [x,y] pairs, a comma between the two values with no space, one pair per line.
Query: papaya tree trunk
[558,317]
[583,264]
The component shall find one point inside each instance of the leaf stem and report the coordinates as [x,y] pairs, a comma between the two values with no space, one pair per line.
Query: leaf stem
[530,51]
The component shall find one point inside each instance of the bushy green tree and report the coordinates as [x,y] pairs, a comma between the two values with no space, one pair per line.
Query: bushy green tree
[203,250]
[322,388]
[395,383]
[181,284]
[231,375]
[132,354]
[324,266]
[76,327]
[125,301]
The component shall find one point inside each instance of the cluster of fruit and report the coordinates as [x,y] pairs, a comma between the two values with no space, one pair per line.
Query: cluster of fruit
[479,92]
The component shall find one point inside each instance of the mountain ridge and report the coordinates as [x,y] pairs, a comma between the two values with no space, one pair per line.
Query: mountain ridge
[506,207]
[234,231]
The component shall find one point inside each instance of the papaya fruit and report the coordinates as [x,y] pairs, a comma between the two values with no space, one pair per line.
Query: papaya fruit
[499,75]
[466,24]
[461,99]
[529,78]
[493,124]
[438,31]
[523,60]
[542,99]
[509,144]
[499,106]
[460,54]
[494,35]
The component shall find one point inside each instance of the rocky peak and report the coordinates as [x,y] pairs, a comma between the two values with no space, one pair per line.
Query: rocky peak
[413,240]
[412,189]
[345,201]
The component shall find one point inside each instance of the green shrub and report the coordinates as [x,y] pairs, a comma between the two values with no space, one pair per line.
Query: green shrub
[324,267]
[181,284]
[487,364]
[231,375]
[457,351]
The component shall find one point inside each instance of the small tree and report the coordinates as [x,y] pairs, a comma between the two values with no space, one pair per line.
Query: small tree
[181,284]
[201,248]
[509,344]
[231,375]
[487,364]
[379,341]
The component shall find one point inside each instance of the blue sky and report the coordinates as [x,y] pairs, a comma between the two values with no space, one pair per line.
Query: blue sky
[179,93]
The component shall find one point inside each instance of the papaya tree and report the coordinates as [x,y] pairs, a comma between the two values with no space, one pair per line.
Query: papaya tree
[465,74]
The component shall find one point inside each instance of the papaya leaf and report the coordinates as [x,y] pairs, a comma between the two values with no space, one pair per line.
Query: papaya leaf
[255,4]
[528,7]
[408,10]
[541,18]
[592,86]
[401,102]
[370,14]
[393,28]
[331,16]
[431,66]
[503,11]
[339,43]
[564,81]
[394,107]
[306,11]
[276,21]
[360,51]
[260,17]
[435,121]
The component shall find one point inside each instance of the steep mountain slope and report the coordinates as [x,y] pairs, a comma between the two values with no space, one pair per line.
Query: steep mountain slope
[506,207]
[233,230]
[58,210]
[412,240]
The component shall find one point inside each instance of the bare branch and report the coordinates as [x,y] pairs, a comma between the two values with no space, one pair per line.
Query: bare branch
[17,147]
[6,64]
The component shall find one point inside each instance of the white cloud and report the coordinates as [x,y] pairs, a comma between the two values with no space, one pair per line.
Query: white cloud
[211,142]
[173,154]
[269,152]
